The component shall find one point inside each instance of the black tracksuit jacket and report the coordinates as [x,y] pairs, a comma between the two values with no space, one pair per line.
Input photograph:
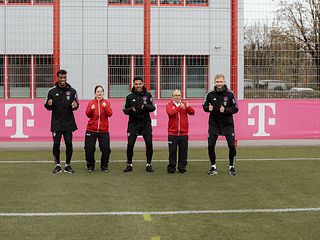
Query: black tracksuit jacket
[139,120]
[221,123]
[62,118]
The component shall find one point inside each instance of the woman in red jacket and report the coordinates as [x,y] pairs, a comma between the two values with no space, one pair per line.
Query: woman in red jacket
[98,111]
[178,128]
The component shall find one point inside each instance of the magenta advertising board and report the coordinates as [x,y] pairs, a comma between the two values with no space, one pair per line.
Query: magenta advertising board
[258,119]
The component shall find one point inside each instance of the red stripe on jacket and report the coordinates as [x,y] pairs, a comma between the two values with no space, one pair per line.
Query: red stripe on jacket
[98,117]
[178,124]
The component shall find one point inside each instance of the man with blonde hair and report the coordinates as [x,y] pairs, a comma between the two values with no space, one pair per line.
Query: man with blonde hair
[221,104]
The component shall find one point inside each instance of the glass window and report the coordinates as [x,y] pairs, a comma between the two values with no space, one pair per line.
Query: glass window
[196,76]
[42,1]
[169,2]
[1,76]
[19,76]
[124,2]
[139,71]
[170,74]
[19,1]
[119,75]
[43,75]
[196,2]
[153,2]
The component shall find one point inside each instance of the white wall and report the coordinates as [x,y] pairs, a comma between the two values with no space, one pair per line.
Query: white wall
[26,30]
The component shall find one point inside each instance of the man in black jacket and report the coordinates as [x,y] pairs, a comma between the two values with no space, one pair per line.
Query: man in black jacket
[138,106]
[222,104]
[62,100]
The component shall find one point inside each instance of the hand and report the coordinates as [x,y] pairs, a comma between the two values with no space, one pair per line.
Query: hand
[210,107]
[221,109]
[93,106]
[74,104]
[50,102]
[187,105]
[182,105]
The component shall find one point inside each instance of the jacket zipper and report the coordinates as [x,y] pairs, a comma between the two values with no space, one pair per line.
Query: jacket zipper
[178,123]
[98,115]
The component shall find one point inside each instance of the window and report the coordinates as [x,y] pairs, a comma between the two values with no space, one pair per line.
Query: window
[43,75]
[171,2]
[19,1]
[28,76]
[196,2]
[139,71]
[119,2]
[1,76]
[123,68]
[29,2]
[153,2]
[19,75]
[196,76]
[42,1]
[119,75]
[170,74]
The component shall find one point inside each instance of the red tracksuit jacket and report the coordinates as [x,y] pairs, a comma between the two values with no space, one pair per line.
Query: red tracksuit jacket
[178,119]
[98,121]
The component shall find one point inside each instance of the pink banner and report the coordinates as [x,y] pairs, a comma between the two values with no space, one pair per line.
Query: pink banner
[257,119]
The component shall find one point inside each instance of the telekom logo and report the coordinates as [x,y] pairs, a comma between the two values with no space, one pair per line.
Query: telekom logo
[261,117]
[19,118]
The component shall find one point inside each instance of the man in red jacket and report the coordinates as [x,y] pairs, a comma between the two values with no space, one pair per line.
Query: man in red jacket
[178,128]
[98,111]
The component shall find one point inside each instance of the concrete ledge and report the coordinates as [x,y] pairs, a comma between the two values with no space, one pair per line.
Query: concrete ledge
[164,144]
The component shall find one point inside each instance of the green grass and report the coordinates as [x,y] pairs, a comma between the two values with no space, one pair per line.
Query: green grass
[30,187]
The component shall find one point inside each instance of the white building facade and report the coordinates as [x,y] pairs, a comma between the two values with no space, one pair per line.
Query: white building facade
[101,42]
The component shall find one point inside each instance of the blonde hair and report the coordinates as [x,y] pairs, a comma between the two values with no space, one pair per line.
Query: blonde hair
[219,75]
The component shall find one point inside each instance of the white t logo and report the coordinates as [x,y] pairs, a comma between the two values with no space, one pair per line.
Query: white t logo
[261,117]
[19,118]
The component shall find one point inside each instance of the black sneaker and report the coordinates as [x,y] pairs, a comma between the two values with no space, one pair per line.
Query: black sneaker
[149,168]
[57,169]
[128,169]
[213,171]
[90,169]
[68,169]
[232,172]
[182,170]
[104,169]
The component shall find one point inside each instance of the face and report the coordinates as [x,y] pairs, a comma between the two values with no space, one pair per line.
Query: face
[138,85]
[99,93]
[220,82]
[62,79]
[176,96]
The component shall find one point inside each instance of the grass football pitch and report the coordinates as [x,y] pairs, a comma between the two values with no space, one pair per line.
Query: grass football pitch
[274,196]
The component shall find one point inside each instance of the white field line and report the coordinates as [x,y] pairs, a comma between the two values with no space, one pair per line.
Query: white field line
[232,211]
[190,160]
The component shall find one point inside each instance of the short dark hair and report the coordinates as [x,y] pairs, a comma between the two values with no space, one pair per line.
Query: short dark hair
[61,72]
[138,78]
[96,87]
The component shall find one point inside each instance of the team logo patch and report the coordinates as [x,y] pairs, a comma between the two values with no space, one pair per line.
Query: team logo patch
[225,98]
[68,95]
[104,104]
[57,94]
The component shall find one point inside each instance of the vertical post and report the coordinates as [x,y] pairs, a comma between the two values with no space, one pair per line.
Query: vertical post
[147,44]
[56,38]
[6,78]
[234,47]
